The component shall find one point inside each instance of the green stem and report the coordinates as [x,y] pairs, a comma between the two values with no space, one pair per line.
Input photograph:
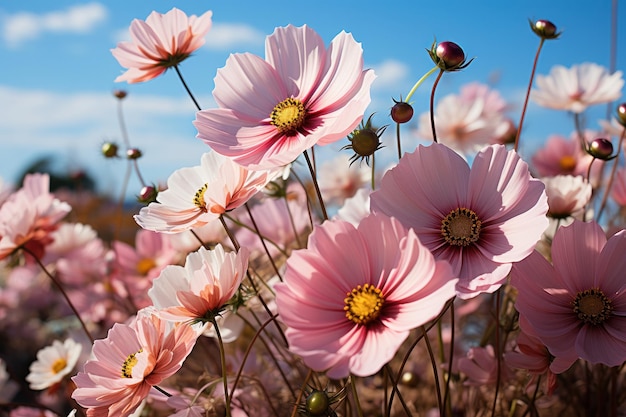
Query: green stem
[315,184]
[356,396]
[220,344]
[419,82]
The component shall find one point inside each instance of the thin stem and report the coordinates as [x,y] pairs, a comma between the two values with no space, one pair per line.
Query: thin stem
[607,190]
[530,84]
[267,251]
[355,395]
[161,390]
[306,381]
[60,288]
[124,131]
[497,353]
[588,181]
[373,172]
[419,82]
[433,363]
[446,398]
[220,344]
[613,53]
[398,141]
[182,80]
[204,245]
[315,184]
[432,105]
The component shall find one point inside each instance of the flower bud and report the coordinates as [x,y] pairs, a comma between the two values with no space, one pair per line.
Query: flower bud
[147,194]
[109,150]
[448,56]
[120,94]
[317,403]
[601,149]
[133,153]
[621,114]
[545,29]
[401,112]
[364,141]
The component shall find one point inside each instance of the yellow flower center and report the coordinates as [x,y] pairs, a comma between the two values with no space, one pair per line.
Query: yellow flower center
[288,115]
[145,265]
[592,306]
[461,227]
[59,365]
[198,198]
[129,363]
[363,304]
[567,163]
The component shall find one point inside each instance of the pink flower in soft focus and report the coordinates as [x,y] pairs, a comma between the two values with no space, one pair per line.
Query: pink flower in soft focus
[480,219]
[576,88]
[531,354]
[200,290]
[53,363]
[355,208]
[338,179]
[79,255]
[161,42]
[301,94]
[481,368]
[468,121]
[137,267]
[567,195]
[5,191]
[29,215]
[580,300]
[350,299]
[133,358]
[23,411]
[8,388]
[198,195]
[281,222]
[563,156]
[618,191]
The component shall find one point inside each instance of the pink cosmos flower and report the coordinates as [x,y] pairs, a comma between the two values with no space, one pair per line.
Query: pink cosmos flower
[576,88]
[567,195]
[480,219]
[200,290]
[564,156]
[481,367]
[580,300]
[29,215]
[468,121]
[355,208]
[338,179]
[161,42]
[531,354]
[350,298]
[198,195]
[133,358]
[301,94]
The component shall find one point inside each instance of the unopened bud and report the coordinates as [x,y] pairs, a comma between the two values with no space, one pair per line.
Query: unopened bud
[544,29]
[133,153]
[601,149]
[109,150]
[401,112]
[147,194]
[120,94]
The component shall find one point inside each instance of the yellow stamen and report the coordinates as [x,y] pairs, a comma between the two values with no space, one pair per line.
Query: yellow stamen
[59,365]
[198,198]
[461,227]
[363,304]
[567,163]
[129,363]
[145,265]
[288,115]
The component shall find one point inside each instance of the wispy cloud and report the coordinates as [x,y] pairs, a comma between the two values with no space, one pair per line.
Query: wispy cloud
[390,74]
[24,26]
[228,35]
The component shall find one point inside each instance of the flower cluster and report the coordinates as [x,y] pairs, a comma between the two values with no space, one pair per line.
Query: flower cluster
[464,279]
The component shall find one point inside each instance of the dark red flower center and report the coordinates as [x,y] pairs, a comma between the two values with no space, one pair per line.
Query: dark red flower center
[461,227]
[592,306]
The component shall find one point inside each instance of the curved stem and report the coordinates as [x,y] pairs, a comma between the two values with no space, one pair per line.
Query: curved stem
[267,251]
[220,344]
[356,396]
[530,84]
[315,184]
[419,82]
[589,182]
[432,105]
[446,398]
[182,80]
[433,363]
[607,190]
[57,283]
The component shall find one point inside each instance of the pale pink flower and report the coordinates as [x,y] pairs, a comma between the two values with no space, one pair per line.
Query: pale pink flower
[201,289]
[161,42]
[392,282]
[618,190]
[580,300]
[281,222]
[339,180]
[567,195]
[5,191]
[209,234]
[564,156]
[468,121]
[133,358]
[532,355]
[480,219]
[53,363]
[301,94]
[355,208]
[199,195]
[481,367]
[576,88]
[29,216]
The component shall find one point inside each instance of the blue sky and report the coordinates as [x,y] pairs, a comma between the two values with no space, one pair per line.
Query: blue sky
[57,74]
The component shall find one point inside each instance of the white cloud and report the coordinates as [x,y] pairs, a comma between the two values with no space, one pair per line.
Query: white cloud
[24,26]
[72,128]
[228,35]
[390,74]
